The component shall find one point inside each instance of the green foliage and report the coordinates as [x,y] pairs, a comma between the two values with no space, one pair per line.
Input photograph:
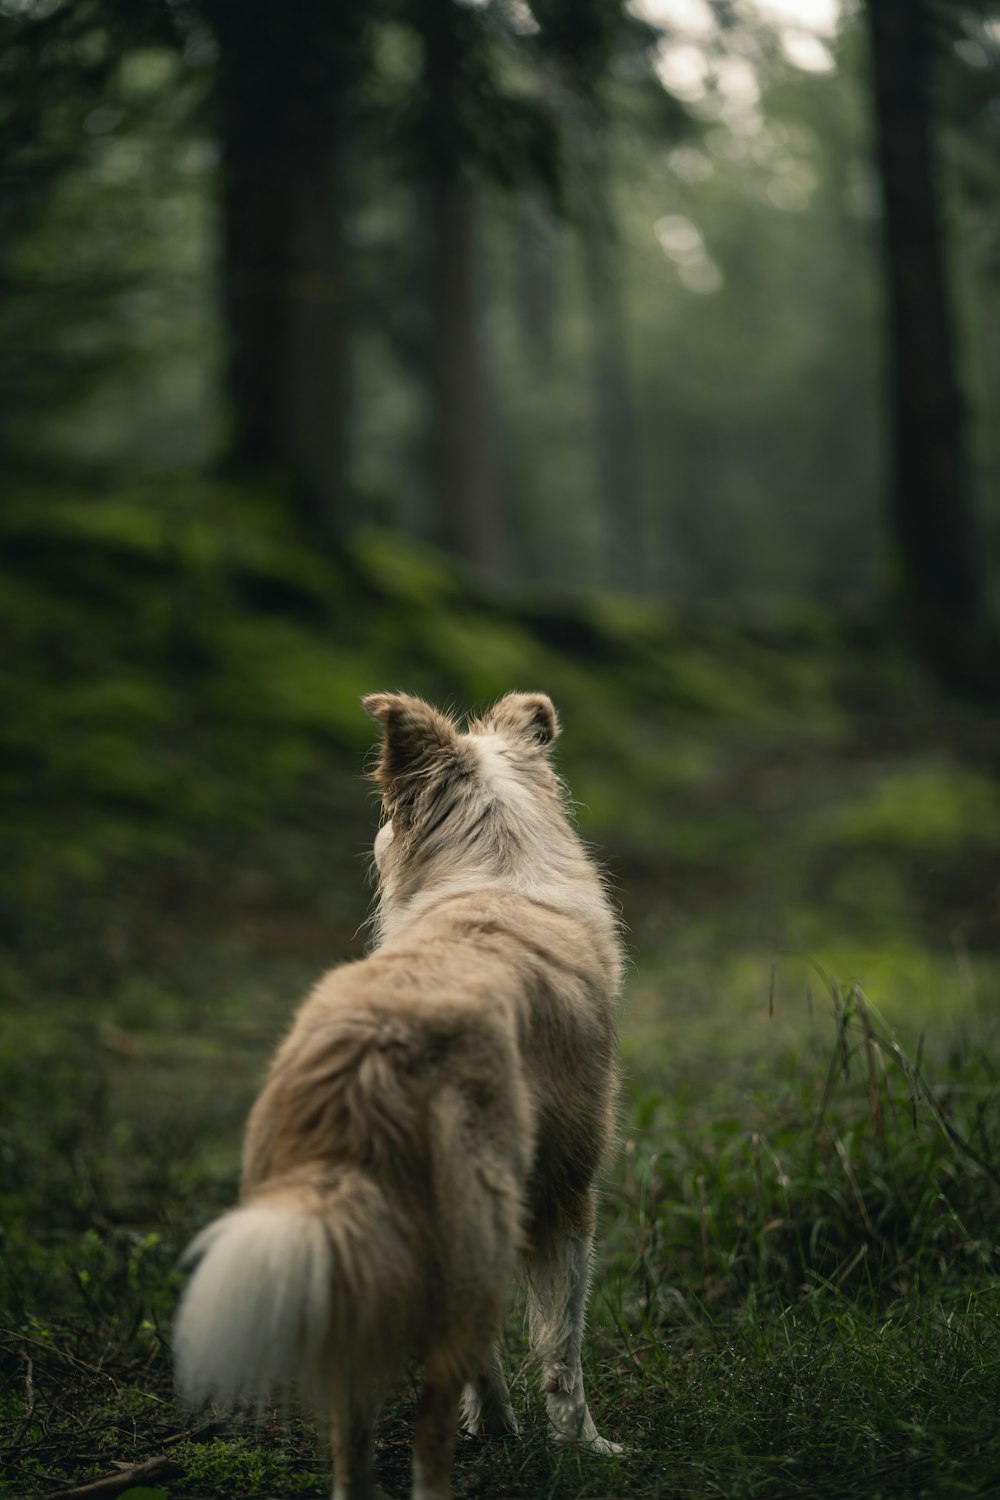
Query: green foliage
[796,1290]
[768,1197]
[797,1286]
[798,1274]
[918,809]
[241,1467]
[180,665]
[756,389]
[105,231]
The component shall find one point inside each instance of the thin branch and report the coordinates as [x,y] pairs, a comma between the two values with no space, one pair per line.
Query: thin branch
[161,1467]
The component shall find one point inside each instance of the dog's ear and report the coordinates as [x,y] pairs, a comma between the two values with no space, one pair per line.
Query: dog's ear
[531,716]
[416,740]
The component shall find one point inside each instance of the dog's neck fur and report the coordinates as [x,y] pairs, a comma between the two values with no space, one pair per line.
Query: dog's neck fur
[567,882]
[532,851]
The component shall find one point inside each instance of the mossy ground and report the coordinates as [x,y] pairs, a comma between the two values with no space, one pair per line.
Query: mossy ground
[797,1289]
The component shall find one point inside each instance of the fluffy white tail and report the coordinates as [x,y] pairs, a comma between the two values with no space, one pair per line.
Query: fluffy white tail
[307,1282]
[256,1314]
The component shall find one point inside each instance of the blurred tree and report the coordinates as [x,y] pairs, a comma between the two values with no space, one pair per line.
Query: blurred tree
[618,454]
[453,114]
[939,580]
[967,98]
[536,261]
[286,86]
[62,95]
[580,39]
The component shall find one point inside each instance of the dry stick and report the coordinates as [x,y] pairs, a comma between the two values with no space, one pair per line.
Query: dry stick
[161,1467]
[29,1397]
[831,1077]
[81,1364]
[703,1196]
[918,1083]
[758,1172]
[845,1162]
[859,1254]
[955,1138]
[29,1386]
[874,1100]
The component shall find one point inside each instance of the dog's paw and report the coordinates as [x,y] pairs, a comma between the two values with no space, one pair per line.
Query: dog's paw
[497,1424]
[584,1435]
[487,1412]
[604,1446]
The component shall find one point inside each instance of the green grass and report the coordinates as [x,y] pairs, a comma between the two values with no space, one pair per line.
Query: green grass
[797,1290]
[798,1284]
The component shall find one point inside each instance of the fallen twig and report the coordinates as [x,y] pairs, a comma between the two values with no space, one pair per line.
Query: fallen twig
[161,1467]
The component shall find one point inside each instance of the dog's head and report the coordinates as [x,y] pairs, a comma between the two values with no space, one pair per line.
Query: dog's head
[478,801]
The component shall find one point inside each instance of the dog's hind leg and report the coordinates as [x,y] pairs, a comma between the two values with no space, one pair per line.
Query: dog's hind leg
[486,1405]
[352,1422]
[558,1281]
[435,1431]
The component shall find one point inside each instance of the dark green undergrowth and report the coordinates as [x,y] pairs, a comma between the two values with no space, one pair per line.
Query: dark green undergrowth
[181,674]
[797,1290]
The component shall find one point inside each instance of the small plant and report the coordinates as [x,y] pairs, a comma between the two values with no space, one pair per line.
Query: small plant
[864,1176]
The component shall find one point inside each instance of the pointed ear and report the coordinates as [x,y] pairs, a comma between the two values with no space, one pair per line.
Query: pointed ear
[531,716]
[416,740]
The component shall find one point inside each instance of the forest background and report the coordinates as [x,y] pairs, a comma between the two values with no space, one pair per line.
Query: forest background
[645,353]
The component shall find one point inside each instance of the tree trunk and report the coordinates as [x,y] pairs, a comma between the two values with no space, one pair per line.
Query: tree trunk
[536,275]
[464,466]
[938,575]
[284,82]
[619,468]
[285,323]
[463,419]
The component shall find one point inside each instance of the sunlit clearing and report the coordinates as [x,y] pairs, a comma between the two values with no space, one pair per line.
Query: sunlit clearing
[690,164]
[703,277]
[689,17]
[972,53]
[38,9]
[521,19]
[721,142]
[806,51]
[723,85]
[683,71]
[682,242]
[788,194]
[679,238]
[738,93]
[811,15]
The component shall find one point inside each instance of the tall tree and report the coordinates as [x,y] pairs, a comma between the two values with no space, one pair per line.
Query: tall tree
[464,424]
[939,582]
[286,81]
[619,464]
[453,112]
[579,39]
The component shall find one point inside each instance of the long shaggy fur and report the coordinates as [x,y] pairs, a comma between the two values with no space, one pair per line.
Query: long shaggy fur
[436,1114]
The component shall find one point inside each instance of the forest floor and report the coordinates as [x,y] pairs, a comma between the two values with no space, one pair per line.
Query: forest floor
[797,1285]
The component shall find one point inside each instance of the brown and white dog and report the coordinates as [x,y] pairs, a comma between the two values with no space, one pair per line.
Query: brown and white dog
[435,1116]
